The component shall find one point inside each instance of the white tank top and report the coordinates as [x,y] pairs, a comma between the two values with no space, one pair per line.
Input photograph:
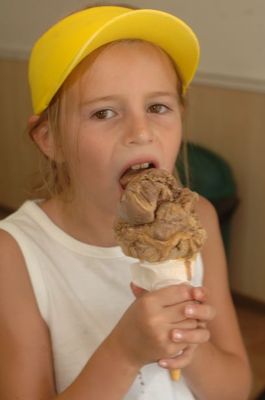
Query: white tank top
[82,291]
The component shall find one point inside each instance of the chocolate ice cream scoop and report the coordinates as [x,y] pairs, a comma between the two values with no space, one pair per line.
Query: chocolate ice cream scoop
[157,219]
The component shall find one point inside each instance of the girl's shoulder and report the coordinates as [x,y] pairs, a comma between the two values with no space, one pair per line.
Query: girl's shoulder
[12,263]
[206,212]
[9,247]
[213,248]
[15,285]
[204,206]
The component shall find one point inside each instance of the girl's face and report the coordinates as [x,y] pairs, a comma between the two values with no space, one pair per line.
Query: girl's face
[121,110]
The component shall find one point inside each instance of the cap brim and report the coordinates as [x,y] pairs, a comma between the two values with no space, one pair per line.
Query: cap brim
[157,27]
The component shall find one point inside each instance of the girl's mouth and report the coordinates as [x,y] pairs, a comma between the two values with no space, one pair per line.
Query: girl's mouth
[133,170]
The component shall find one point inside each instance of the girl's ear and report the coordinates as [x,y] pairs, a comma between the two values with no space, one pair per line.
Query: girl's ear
[43,138]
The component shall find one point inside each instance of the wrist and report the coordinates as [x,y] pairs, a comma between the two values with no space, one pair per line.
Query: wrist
[122,353]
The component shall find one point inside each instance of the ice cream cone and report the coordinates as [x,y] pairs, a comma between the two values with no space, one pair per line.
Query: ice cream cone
[156,275]
[150,276]
[175,374]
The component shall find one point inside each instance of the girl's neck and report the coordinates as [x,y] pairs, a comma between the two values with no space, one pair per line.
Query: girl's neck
[86,224]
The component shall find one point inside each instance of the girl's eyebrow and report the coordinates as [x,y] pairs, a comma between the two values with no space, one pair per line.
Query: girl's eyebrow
[164,94]
[99,99]
[154,95]
[116,97]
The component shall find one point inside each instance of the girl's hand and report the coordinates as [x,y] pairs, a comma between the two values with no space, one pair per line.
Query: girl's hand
[146,332]
[198,313]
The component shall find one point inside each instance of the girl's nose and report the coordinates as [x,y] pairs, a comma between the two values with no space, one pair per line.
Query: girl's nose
[139,132]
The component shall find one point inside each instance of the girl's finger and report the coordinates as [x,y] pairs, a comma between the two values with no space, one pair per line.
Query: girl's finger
[199,294]
[173,294]
[190,336]
[175,314]
[202,312]
[167,296]
[179,361]
[186,324]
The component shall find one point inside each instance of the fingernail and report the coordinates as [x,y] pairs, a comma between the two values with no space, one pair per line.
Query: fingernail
[177,335]
[189,310]
[162,363]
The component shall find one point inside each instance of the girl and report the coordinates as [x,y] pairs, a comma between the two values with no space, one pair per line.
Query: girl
[107,86]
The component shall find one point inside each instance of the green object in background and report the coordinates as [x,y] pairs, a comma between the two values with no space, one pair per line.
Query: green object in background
[261,396]
[210,176]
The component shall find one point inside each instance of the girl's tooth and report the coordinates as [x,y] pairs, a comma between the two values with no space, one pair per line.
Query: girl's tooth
[136,166]
[145,165]
[140,166]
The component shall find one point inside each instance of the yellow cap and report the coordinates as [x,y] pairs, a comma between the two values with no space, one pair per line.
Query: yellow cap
[59,50]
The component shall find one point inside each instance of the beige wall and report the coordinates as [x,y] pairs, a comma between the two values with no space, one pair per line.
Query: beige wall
[232,123]
[227,121]
[17,155]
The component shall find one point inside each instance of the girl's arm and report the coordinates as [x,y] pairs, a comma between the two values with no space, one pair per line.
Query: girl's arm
[220,368]
[26,370]
[26,364]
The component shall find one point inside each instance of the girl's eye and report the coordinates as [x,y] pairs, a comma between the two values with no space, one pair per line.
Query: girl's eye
[103,114]
[158,109]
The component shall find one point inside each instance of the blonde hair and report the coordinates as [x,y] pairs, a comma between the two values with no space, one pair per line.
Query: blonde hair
[53,175]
